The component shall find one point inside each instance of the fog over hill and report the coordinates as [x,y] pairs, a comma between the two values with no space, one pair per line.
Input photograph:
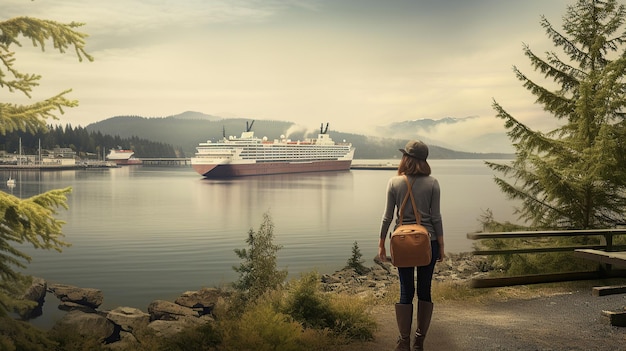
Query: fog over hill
[187,129]
[469,134]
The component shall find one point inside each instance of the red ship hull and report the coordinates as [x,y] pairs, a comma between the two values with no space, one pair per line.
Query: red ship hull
[240,170]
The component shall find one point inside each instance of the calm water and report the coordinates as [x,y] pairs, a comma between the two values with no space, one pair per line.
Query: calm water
[144,233]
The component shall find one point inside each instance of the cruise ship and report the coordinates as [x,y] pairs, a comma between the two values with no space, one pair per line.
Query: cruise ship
[248,155]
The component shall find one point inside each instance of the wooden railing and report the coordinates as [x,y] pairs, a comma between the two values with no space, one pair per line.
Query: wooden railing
[603,271]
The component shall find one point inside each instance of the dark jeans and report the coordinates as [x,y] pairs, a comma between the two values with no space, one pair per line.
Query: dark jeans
[424,279]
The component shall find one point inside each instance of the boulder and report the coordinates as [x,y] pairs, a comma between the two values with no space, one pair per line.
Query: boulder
[87,325]
[168,328]
[129,318]
[127,341]
[71,306]
[84,296]
[36,291]
[169,311]
[203,300]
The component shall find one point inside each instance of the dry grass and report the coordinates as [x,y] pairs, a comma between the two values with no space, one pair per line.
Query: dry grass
[462,291]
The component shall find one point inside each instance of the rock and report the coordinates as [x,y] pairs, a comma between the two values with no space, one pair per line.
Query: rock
[87,324]
[329,279]
[84,296]
[127,341]
[455,268]
[129,318]
[203,300]
[169,311]
[169,328]
[37,290]
[194,308]
[71,306]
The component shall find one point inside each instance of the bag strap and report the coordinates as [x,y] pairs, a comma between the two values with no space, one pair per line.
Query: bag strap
[418,217]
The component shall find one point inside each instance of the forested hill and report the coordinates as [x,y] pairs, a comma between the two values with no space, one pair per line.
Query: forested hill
[90,144]
[185,131]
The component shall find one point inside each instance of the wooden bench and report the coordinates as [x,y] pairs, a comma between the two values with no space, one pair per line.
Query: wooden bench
[617,318]
[617,258]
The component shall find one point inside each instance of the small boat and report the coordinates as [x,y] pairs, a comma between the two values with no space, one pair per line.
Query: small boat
[10,182]
[123,157]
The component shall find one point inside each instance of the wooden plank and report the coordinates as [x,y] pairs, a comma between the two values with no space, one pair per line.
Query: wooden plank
[533,279]
[535,250]
[617,258]
[479,252]
[617,318]
[608,290]
[551,233]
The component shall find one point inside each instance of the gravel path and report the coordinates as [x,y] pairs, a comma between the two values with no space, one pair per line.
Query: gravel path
[558,322]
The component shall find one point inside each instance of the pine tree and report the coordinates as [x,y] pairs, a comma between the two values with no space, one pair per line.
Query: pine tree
[31,220]
[575,175]
[258,272]
[356,260]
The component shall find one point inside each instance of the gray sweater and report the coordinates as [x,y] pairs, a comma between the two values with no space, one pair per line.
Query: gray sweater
[427,199]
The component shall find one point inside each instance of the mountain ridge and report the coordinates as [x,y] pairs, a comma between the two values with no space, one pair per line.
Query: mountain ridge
[187,129]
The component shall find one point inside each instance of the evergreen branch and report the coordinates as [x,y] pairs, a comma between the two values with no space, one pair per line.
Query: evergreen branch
[22,82]
[520,134]
[614,23]
[29,220]
[571,75]
[558,104]
[62,35]
[562,73]
[31,118]
[532,205]
[575,54]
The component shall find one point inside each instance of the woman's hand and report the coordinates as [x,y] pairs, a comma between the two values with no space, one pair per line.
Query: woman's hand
[442,253]
[382,254]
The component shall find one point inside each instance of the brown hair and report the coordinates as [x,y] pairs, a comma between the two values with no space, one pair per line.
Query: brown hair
[412,166]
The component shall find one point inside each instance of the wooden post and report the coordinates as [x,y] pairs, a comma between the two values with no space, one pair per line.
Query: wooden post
[607,241]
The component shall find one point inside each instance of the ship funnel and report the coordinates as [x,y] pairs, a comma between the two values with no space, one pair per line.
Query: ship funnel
[324,130]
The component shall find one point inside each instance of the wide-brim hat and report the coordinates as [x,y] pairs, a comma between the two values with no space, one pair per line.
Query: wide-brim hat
[415,149]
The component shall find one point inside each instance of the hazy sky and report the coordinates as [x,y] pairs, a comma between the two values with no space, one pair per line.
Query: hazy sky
[353,63]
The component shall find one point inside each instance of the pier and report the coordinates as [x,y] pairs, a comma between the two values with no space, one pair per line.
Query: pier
[374,164]
[166,161]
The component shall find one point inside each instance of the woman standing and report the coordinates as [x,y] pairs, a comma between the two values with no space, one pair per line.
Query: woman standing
[427,197]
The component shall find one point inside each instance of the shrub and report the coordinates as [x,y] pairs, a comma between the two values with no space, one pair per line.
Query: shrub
[203,338]
[352,320]
[261,328]
[344,315]
[307,304]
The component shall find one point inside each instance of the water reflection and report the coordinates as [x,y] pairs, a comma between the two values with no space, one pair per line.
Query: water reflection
[143,233]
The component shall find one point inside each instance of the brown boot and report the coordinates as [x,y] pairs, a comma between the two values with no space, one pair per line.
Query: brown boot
[404,318]
[424,314]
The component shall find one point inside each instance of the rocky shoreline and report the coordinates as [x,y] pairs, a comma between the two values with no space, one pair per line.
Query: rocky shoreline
[119,327]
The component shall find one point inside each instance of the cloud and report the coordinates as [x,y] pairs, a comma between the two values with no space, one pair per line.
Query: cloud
[356,65]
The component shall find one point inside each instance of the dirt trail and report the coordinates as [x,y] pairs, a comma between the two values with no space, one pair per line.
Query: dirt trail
[565,321]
